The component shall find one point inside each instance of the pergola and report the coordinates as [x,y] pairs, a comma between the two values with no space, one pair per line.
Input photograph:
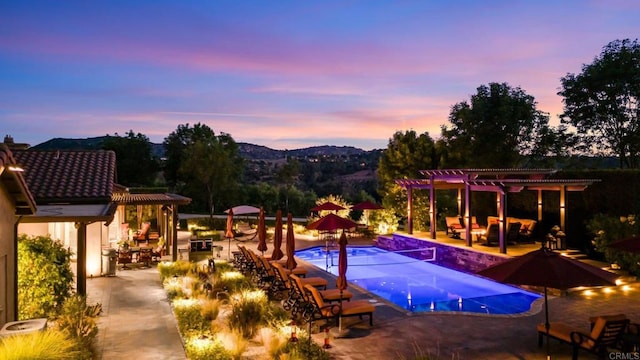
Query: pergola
[499,181]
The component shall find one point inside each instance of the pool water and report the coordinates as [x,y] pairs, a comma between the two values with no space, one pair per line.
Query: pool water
[421,286]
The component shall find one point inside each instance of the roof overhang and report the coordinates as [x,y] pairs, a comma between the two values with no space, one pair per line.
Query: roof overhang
[72,213]
[150,199]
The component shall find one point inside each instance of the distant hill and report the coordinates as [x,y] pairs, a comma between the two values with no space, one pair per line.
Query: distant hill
[246,150]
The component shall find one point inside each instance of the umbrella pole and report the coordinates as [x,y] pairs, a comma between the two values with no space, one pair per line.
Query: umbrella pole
[547,326]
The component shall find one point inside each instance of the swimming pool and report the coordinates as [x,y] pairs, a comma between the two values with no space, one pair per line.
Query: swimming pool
[420,286]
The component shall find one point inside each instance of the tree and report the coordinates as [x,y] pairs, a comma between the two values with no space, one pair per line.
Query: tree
[603,102]
[287,174]
[497,128]
[206,164]
[406,154]
[136,165]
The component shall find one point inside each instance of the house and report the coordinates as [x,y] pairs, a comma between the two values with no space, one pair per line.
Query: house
[81,205]
[16,201]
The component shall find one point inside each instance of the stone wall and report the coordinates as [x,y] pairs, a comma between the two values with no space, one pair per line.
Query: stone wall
[459,258]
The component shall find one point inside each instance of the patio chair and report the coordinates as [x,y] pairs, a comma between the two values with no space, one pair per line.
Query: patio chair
[145,256]
[513,232]
[125,256]
[492,236]
[454,226]
[282,276]
[328,295]
[605,335]
[345,309]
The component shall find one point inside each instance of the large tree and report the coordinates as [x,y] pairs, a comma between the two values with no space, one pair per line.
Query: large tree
[497,128]
[406,154]
[136,165]
[207,166]
[602,102]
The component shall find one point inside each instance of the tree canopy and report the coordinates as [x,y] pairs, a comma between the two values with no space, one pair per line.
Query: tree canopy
[496,128]
[602,102]
[136,165]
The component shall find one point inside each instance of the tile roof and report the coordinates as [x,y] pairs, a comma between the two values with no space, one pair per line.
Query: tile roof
[69,176]
[148,199]
[15,183]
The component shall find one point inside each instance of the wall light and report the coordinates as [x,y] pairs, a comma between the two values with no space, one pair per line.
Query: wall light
[16,168]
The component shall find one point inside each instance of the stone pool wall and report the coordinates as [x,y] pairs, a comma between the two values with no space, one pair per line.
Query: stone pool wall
[464,259]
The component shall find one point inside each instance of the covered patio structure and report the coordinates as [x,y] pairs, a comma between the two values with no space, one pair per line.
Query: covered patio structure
[499,181]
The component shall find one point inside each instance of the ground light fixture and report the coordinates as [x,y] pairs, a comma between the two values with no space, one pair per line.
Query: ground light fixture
[294,336]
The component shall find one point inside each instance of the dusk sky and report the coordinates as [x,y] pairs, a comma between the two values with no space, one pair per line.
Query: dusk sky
[284,74]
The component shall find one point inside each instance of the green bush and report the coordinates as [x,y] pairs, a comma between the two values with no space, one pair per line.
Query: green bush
[49,344]
[190,318]
[608,229]
[205,348]
[44,276]
[78,321]
[305,349]
[248,312]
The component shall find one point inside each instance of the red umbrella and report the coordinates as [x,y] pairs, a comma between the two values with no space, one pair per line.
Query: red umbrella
[327,206]
[277,238]
[366,205]
[547,268]
[291,244]
[331,222]
[630,244]
[262,233]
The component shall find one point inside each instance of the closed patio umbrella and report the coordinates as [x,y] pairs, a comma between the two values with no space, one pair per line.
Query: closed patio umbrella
[291,244]
[262,233]
[549,269]
[229,231]
[341,281]
[277,238]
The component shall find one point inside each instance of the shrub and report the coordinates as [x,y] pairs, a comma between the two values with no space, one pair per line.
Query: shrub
[230,281]
[49,344]
[44,276]
[234,343]
[189,317]
[305,349]
[78,321]
[273,341]
[607,229]
[205,348]
[209,308]
[248,311]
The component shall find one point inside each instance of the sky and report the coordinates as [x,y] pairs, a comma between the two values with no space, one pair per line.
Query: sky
[285,74]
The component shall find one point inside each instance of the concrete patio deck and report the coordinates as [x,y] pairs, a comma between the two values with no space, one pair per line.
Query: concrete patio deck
[138,323]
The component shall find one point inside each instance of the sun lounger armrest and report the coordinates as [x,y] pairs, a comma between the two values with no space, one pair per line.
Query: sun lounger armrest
[580,339]
[334,308]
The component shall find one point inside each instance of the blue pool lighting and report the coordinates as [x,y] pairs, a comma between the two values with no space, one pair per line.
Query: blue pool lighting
[421,286]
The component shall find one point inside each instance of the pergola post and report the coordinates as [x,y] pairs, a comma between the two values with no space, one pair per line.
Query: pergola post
[409,210]
[81,264]
[467,214]
[432,211]
[502,206]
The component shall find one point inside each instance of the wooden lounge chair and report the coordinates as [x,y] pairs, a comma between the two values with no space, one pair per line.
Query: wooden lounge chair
[345,309]
[605,335]
[454,226]
[282,276]
[492,236]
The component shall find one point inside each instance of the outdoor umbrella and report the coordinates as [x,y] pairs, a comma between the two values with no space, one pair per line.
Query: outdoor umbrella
[548,269]
[366,205]
[291,244]
[229,233]
[243,210]
[331,222]
[341,281]
[277,238]
[630,244]
[327,206]
[262,233]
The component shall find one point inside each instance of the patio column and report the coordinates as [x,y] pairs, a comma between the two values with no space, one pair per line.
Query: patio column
[539,206]
[81,264]
[502,213]
[432,208]
[563,211]
[409,210]
[174,233]
[467,214]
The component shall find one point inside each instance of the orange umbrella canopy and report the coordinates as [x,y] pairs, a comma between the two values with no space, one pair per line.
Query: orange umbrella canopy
[341,281]
[262,232]
[291,244]
[229,232]
[277,238]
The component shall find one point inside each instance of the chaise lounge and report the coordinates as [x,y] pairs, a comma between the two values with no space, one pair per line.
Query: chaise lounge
[605,334]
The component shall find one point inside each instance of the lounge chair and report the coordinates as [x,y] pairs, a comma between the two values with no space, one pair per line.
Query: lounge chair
[454,226]
[328,295]
[605,335]
[513,232]
[344,309]
[491,237]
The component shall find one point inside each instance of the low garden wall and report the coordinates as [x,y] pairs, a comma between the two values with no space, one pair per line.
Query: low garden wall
[464,259]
